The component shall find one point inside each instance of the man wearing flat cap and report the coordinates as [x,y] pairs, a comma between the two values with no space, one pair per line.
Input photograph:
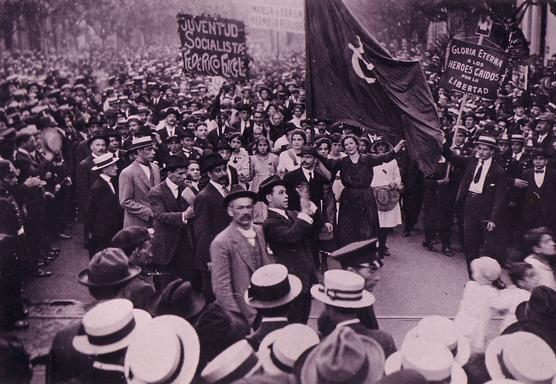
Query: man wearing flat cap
[237,252]
[210,215]
[173,245]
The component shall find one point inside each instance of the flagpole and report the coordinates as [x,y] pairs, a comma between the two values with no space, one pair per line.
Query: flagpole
[458,122]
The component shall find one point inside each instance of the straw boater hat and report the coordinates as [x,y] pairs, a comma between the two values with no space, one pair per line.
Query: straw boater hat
[165,350]
[428,357]
[343,289]
[104,161]
[517,138]
[444,331]
[271,286]
[487,140]
[141,142]
[109,327]
[236,362]
[522,356]
[280,349]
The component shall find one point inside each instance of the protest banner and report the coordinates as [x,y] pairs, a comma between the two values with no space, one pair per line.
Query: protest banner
[284,15]
[473,69]
[213,46]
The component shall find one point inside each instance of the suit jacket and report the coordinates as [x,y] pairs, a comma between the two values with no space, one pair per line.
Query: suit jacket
[290,242]
[316,187]
[103,215]
[134,190]
[256,337]
[233,262]
[546,143]
[85,179]
[539,204]
[169,227]
[210,219]
[164,133]
[214,138]
[493,197]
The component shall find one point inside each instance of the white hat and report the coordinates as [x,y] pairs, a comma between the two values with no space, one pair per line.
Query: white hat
[109,327]
[280,349]
[431,359]
[271,286]
[237,361]
[103,161]
[165,350]
[343,289]
[444,331]
[523,355]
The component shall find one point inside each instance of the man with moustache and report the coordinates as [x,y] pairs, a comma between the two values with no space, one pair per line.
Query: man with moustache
[237,252]
[210,216]
[104,215]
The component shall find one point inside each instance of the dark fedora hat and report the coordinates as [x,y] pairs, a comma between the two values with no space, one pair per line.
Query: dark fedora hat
[308,150]
[223,145]
[210,161]
[130,238]
[237,192]
[539,152]
[98,136]
[172,110]
[178,298]
[267,185]
[107,268]
[175,162]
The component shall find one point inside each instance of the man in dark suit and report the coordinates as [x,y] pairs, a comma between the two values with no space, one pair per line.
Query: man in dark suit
[220,133]
[539,205]
[104,217]
[314,176]
[85,176]
[543,129]
[33,198]
[244,121]
[288,233]
[224,149]
[483,193]
[173,233]
[170,124]
[210,216]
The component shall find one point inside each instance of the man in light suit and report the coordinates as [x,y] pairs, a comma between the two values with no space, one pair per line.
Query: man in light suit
[136,181]
[236,253]
[210,216]
[173,233]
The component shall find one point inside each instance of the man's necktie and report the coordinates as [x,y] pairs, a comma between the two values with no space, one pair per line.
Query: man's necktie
[310,176]
[477,176]
[151,178]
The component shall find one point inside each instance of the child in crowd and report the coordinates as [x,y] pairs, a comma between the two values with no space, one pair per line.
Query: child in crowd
[479,301]
[524,279]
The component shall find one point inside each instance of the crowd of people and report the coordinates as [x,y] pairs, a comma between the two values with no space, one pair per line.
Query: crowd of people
[209,208]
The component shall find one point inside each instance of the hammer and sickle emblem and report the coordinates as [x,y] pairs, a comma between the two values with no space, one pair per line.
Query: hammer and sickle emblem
[356,60]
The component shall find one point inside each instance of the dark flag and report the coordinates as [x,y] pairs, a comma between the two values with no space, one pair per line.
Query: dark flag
[353,79]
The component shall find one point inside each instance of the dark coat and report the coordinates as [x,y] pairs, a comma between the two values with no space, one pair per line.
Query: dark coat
[104,217]
[493,198]
[85,179]
[214,138]
[210,219]
[170,232]
[316,187]
[539,204]
[290,242]
[266,327]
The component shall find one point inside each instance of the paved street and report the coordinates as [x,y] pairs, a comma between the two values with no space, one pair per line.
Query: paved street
[414,283]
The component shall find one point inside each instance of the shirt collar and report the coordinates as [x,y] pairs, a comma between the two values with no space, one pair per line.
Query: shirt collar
[279,211]
[216,185]
[105,177]
[347,322]
[173,186]
[273,319]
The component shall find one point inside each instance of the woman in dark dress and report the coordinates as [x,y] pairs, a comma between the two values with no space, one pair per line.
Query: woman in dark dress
[357,216]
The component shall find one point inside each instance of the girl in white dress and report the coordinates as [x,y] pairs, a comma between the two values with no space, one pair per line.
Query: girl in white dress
[386,175]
